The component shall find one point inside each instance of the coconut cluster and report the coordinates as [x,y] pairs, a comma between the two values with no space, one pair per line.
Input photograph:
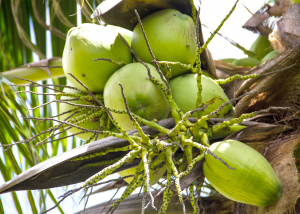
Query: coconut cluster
[129,80]
[172,37]
[261,51]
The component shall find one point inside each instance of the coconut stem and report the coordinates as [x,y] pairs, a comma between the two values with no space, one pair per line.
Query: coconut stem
[202,123]
[110,169]
[104,133]
[188,67]
[151,124]
[126,136]
[226,124]
[81,97]
[190,166]
[147,175]
[177,127]
[73,104]
[168,193]
[151,53]
[53,101]
[78,109]
[189,157]
[193,11]
[120,63]
[218,28]
[83,118]
[35,84]
[100,163]
[199,82]
[192,198]
[93,136]
[247,52]
[98,154]
[244,77]
[58,139]
[137,180]
[52,133]
[169,156]
[146,139]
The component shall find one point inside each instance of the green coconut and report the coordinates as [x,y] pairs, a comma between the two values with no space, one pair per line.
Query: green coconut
[229,60]
[127,34]
[261,46]
[252,181]
[246,62]
[270,55]
[63,107]
[87,42]
[184,91]
[144,98]
[172,37]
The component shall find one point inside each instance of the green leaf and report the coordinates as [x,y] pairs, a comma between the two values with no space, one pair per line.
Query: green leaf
[32,202]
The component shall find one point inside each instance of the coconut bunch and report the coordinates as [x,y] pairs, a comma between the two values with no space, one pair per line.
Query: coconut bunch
[260,51]
[114,95]
[97,57]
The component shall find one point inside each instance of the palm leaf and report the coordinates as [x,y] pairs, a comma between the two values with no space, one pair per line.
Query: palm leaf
[18,19]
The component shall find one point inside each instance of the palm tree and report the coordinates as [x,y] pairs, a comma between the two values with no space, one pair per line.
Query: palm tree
[25,38]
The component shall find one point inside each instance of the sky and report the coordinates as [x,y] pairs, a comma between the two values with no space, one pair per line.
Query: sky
[212,13]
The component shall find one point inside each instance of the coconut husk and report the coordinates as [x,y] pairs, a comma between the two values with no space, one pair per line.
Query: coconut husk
[277,89]
[278,43]
[279,8]
[216,204]
[221,74]
[279,153]
[289,27]
[230,68]
[257,22]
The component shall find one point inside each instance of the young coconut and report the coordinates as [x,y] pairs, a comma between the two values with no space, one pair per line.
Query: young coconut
[229,60]
[63,107]
[184,91]
[172,37]
[252,181]
[127,34]
[261,46]
[246,62]
[270,55]
[87,42]
[144,98]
